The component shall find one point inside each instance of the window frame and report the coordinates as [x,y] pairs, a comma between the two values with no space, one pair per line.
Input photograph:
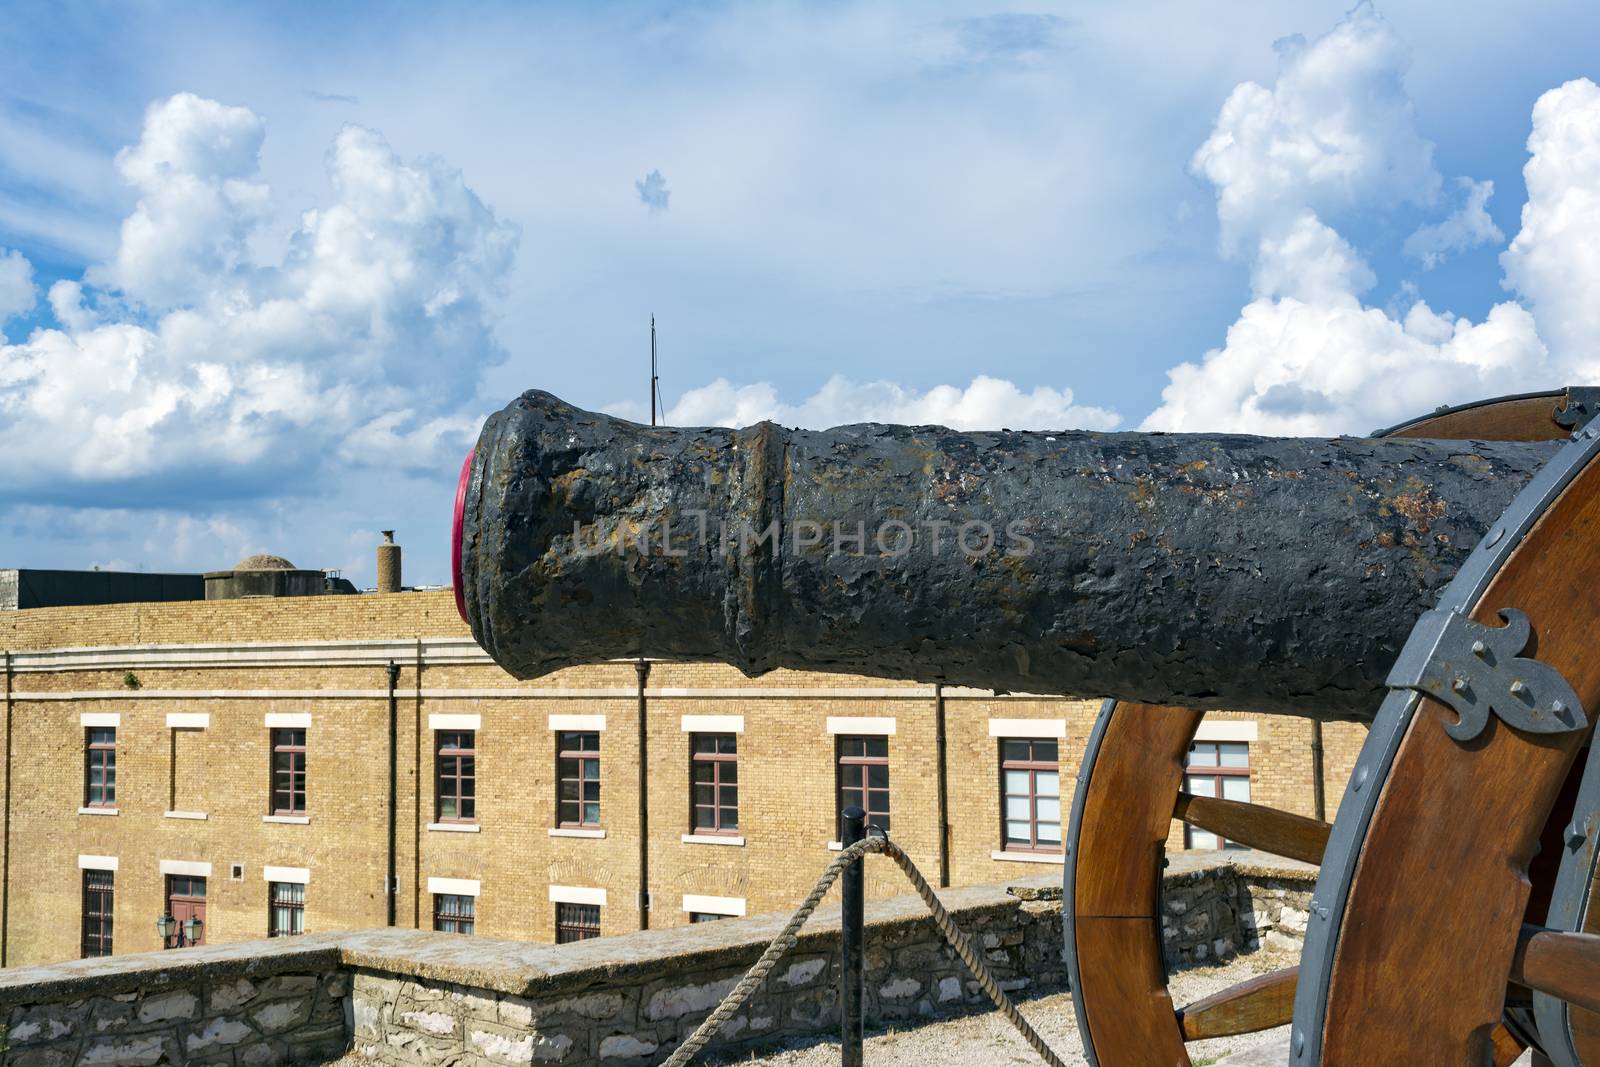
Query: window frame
[452,911]
[292,750]
[456,755]
[106,756]
[582,757]
[573,924]
[716,760]
[1033,767]
[1217,773]
[863,762]
[99,942]
[296,908]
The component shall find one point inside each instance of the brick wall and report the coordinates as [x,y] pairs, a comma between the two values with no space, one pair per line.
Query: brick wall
[319,668]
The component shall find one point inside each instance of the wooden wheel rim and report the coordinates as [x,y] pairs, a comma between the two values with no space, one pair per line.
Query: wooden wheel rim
[1338,892]
[1529,416]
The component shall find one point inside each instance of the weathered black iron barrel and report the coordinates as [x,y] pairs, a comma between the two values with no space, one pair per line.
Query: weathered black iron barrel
[1278,575]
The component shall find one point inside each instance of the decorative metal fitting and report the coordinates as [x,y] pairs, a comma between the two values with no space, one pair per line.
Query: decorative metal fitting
[1477,669]
[1583,402]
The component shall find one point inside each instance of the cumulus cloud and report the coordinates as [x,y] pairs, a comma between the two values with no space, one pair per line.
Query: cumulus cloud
[653,191]
[184,354]
[1335,132]
[1306,356]
[17,291]
[985,404]
[1554,262]
[1467,227]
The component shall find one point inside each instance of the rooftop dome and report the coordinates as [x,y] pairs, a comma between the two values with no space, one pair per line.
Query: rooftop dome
[263,562]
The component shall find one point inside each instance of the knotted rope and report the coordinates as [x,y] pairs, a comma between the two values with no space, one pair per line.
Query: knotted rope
[785,940]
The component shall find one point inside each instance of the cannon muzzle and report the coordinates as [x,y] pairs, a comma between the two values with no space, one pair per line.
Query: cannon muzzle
[1212,571]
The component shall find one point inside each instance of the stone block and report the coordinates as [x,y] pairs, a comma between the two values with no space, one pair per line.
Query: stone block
[138,1050]
[803,972]
[167,1007]
[281,1015]
[367,1018]
[221,1032]
[435,1023]
[902,988]
[679,1000]
[226,996]
[625,1047]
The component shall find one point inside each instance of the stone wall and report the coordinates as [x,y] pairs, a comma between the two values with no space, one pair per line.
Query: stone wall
[273,1004]
[1212,910]
[407,998]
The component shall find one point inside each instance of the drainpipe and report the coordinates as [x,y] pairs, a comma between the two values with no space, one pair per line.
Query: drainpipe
[5,861]
[1319,798]
[944,791]
[643,667]
[391,886]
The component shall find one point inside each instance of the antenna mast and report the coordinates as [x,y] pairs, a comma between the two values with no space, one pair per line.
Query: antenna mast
[653,378]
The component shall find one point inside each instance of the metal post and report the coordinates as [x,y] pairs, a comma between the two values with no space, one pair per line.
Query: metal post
[851,949]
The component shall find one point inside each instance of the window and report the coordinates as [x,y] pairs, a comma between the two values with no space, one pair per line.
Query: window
[289,772]
[454,913]
[1030,795]
[286,909]
[578,779]
[577,922]
[1216,769]
[714,777]
[97,907]
[864,779]
[456,760]
[186,899]
[100,767]
[705,916]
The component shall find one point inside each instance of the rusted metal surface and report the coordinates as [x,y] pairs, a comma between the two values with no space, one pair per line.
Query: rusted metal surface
[1276,575]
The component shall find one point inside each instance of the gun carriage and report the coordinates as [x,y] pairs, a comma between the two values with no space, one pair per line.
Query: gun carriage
[1435,581]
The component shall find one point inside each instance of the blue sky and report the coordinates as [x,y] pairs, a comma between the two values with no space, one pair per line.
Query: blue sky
[303,252]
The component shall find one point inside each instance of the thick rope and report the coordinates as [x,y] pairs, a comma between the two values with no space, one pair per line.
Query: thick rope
[785,940]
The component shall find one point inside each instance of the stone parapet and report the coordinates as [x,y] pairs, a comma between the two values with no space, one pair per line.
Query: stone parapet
[406,997]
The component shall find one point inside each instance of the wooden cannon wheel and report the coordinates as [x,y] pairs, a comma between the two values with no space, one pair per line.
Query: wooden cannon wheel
[1129,791]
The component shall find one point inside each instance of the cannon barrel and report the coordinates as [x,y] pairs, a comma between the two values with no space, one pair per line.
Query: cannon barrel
[1212,571]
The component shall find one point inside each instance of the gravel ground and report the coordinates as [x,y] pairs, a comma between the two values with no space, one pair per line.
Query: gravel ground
[990,1040]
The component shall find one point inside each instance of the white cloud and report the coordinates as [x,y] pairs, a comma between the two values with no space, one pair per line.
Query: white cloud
[1305,355]
[17,291]
[1554,262]
[985,404]
[184,354]
[1467,227]
[1335,132]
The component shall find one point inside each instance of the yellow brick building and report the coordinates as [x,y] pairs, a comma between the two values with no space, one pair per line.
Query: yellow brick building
[197,695]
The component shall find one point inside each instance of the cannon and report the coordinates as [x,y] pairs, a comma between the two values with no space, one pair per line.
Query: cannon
[1436,581]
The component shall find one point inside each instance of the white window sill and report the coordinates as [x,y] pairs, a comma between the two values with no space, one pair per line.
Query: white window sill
[712,839]
[183,815]
[572,831]
[298,820]
[455,827]
[97,811]
[1029,857]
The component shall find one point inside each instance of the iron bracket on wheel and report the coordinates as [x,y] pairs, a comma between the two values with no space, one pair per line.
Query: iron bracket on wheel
[1476,669]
